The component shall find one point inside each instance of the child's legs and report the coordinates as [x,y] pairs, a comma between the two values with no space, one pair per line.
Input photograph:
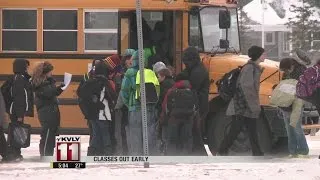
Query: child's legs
[3,143]
[134,134]
[302,145]
[171,138]
[105,137]
[95,143]
[186,137]
[152,135]
[292,142]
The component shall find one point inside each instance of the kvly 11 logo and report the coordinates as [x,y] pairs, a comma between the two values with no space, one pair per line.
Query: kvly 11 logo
[68,148]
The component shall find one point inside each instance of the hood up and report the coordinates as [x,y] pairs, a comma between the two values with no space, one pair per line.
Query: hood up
[191,57]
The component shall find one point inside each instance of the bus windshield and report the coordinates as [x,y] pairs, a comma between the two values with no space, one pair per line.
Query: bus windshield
[209,39]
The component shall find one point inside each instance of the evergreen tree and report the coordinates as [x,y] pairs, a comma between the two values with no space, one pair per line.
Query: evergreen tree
[303,24]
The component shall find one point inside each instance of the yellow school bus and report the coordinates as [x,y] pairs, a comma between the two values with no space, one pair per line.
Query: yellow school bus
[70,33]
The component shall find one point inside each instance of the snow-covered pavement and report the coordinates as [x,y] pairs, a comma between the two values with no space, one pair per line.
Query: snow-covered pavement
[276,168]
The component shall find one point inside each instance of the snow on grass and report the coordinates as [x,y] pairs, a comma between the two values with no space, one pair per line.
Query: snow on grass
[273,168]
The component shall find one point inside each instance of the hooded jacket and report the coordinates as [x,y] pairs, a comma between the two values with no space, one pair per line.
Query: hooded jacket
[246,100]
[47,103]
[198,77]
[22,94]
[118,80]
[129,85]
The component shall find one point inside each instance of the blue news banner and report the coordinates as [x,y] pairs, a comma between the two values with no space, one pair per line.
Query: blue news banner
[68,155]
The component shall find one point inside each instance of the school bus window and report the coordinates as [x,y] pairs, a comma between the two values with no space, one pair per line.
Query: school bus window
[19,30]
[194,32]
[60,30]
[101,30]
[212,33]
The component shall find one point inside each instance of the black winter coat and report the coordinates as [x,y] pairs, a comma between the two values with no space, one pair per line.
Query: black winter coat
[22,95]
[47,103]
[198,77]
[90,94]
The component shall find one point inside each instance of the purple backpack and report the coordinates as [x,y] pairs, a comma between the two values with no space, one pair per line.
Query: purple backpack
[308,82]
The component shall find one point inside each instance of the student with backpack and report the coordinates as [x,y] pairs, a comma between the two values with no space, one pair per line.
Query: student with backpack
[199,79]
[18,97]
[46,93]
[99,97]
[293,112]
[130,92]
[165,79]
[166,82]
[179,109]
[244,107]
[113,63]
[82,102]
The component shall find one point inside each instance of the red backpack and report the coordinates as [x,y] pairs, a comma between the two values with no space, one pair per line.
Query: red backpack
[309,82]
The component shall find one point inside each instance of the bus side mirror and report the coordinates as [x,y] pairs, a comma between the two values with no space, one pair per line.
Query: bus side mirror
[224,19]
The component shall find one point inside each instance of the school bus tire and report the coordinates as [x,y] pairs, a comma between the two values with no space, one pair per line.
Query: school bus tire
[218,126]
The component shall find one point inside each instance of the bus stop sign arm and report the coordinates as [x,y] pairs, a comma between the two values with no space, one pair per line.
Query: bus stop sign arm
[142,82]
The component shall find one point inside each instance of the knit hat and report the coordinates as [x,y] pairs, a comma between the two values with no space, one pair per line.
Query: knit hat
[255,52]
[113,61]
[159,66]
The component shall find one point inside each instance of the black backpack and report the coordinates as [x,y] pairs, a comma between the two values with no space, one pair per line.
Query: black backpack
[181,103]
[6,90]
[81,99]
[227,84]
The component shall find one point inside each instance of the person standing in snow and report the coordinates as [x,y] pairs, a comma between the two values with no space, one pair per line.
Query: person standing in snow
[46,93]
[199,79]
[245,105]
[292,115]
[99,96]
[130,96]
[22,98]
[121,111]
[82,102]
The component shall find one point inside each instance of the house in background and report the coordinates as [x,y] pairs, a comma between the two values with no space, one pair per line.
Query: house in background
[277,39]
[276,34]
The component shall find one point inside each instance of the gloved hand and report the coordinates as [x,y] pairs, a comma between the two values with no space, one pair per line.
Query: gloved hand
[101,106]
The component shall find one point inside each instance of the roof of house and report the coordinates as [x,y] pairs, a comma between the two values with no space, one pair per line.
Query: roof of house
[254,11]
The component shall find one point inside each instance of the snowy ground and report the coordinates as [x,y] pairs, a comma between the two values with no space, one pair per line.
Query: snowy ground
[268,168]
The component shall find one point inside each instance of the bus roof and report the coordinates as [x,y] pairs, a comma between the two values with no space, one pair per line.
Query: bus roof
[108,4]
